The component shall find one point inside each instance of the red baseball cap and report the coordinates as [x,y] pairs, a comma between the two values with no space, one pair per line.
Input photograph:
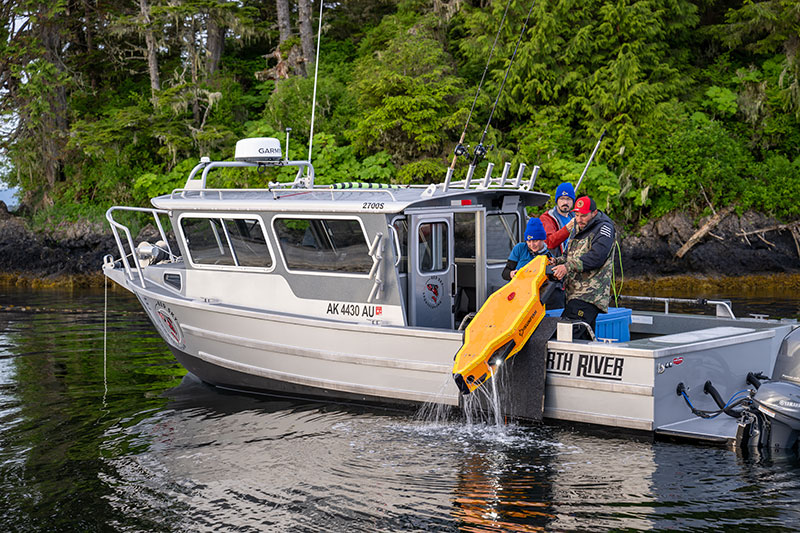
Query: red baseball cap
[584,205]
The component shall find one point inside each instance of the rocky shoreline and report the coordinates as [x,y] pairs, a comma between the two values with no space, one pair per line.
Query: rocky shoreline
[71,254]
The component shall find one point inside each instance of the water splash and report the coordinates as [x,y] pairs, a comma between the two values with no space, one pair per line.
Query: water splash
[481,411]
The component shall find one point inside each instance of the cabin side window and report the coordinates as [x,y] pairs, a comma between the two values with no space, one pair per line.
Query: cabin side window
[433,247]
[502,233]
[237,242]
[325,245]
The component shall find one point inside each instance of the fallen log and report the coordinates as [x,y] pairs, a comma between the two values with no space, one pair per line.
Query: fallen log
[707,227]
[777,227]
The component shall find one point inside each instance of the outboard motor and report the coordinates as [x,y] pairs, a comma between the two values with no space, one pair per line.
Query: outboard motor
[779,399]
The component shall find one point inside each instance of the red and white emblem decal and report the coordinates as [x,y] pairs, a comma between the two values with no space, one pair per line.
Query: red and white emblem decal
[678,360]
[169,324]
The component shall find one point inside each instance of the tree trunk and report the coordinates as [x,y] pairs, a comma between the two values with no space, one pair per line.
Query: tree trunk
[284,23]
[53,128]
[306,32]
[194,58]
[152,57]
[214,46]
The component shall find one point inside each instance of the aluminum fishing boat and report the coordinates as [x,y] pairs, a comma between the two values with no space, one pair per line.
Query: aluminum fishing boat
[360,292]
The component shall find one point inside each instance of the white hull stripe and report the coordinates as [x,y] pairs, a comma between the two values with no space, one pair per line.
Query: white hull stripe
[594,418]
[596,384]
[327,355]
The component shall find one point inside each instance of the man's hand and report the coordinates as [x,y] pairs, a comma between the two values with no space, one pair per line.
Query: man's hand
[571,224]
[559,271]
[513,273]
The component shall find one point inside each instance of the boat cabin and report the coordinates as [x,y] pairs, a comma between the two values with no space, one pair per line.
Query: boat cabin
[422,256]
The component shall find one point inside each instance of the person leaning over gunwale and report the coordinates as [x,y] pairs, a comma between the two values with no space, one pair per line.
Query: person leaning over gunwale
[524,252]
[587,266]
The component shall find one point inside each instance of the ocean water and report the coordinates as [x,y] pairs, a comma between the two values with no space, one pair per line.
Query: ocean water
[101,430]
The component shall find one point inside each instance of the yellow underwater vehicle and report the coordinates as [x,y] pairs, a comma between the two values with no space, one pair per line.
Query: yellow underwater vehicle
[502,326]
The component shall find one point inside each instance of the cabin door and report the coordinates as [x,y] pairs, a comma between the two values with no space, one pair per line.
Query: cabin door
[431,270]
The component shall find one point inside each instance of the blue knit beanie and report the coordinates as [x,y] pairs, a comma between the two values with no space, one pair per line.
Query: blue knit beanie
[535,230]
[565,189]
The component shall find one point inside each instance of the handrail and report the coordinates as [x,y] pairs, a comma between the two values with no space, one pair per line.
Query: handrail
[206,166]
[116,226]
[723,307]
[396,240]
[220,193]
[376,253]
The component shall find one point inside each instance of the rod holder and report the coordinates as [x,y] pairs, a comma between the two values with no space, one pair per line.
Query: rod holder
[520,172]
[506,172]
[487,179]
[534,175]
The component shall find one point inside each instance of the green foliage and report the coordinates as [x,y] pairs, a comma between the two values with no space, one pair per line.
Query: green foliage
[699,101]
[406,90]
[422,171]
[775,181]
[149,184]
[697,163]
[721,100]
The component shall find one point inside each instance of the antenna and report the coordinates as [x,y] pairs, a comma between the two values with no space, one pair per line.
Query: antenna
[589,162]
[316,72]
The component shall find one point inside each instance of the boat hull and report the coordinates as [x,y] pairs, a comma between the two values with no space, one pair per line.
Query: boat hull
[226,378]
[256,350]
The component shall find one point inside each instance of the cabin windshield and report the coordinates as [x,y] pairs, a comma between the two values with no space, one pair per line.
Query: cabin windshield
[226,242]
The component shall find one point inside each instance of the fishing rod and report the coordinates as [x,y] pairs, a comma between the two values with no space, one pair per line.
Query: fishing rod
[481,150]
[589,162]
[460,149]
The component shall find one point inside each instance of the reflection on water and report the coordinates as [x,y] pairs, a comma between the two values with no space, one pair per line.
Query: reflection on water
[149,448]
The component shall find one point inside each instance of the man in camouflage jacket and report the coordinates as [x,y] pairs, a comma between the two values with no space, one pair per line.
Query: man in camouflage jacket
[587,267]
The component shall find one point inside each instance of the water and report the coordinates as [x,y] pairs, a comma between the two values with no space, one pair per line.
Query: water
[134,444]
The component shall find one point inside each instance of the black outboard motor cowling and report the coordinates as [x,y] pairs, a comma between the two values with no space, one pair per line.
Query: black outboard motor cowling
[787,365]
[779,399]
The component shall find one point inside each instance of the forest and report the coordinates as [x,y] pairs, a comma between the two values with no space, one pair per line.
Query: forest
[105,102]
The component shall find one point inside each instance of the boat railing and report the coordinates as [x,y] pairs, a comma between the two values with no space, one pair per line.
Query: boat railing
[116,227]
[723,307]
[276,194]
[488,181]
[304,180]
[206,165]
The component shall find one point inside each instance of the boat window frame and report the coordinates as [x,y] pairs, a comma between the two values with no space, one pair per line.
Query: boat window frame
[449,232]
[493,262]
[222,217]
[329,216]
[170,286]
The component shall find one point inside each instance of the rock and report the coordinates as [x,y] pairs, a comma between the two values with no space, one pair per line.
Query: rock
[148,233]
[645,252]
[4,210]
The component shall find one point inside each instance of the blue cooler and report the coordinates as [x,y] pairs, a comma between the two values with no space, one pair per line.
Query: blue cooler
[612,325]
